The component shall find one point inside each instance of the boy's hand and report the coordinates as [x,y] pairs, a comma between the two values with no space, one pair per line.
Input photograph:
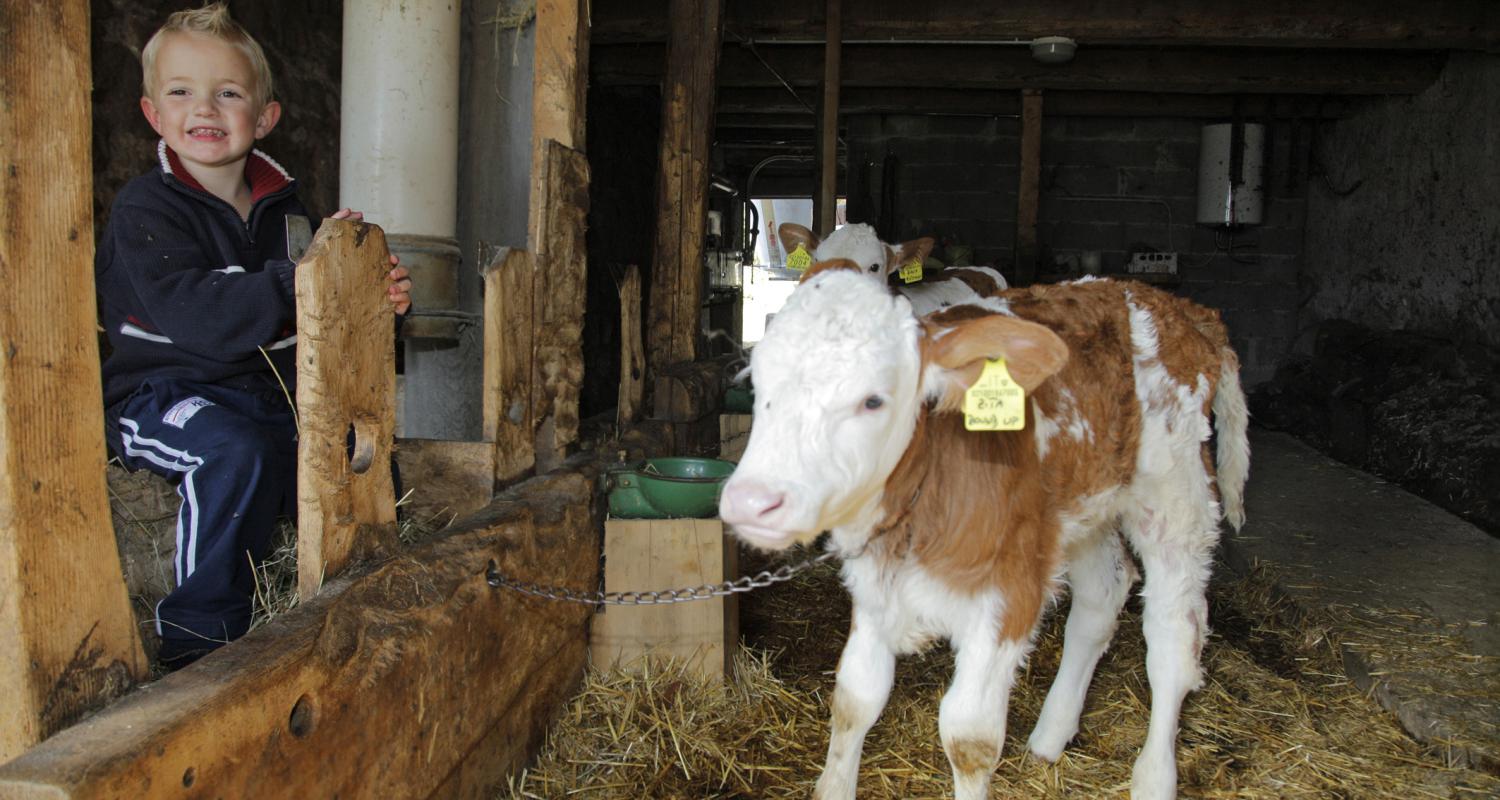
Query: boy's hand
[400,289]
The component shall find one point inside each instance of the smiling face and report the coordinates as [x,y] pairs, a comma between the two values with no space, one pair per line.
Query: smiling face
[203,103]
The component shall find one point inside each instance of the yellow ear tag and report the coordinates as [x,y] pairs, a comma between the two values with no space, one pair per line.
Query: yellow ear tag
[995,402]
[911,271]
[799,259]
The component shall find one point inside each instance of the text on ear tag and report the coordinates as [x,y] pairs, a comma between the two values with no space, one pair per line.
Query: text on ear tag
[799,259]
[995,402]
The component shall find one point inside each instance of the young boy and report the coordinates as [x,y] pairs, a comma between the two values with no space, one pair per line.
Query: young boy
[196,295]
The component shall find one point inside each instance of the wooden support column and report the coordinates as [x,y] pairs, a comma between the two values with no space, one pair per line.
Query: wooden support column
[346,384]
[560,288]
[1028,194]
[508,363]
[826,155]
[687,119]
[632,357]
[67,638]
[556,273]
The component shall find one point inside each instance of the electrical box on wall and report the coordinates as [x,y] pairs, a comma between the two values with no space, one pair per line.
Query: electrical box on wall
[1231,174]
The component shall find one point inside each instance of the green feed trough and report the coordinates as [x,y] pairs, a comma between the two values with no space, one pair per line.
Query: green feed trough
[661,488]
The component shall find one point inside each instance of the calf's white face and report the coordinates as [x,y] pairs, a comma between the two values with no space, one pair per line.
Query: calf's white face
[836,393]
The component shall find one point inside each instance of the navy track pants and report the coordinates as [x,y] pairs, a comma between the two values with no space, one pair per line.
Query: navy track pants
[233,456]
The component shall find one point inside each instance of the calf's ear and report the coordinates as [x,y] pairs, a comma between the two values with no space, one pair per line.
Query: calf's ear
[958,348]
[917,249]
[791,234]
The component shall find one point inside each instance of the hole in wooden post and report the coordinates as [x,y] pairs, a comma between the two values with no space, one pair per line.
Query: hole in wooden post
[188,777]
[361,448]
[304,716]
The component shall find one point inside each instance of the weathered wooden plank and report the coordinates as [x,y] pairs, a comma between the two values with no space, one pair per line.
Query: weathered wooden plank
[826,152]
[445,479]
[664,554]
[1204,71]
[1441,24]
[1028,193]
[414,680]
[346,386]
[692,59]
[632,351]
[777,109]
[67,637]
[559,201]
[560,287]
[508,360]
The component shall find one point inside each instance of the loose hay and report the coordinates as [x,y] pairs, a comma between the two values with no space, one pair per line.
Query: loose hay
[1276,718]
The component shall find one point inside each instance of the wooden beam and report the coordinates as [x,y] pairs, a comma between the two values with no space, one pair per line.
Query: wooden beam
[1028,193]
[445,479]
[346,386]
[508,327]
[774,109]
[416,679]
[632,350]
[67,637]
[559,199]
[826,155]
[995,67]
[1396,24]
[682,181]
[562,275]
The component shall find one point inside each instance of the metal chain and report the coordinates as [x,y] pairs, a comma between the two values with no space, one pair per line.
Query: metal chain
[495,578]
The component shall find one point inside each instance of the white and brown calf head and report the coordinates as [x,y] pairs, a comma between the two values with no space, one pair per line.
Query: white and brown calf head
[840,381]
[855,242]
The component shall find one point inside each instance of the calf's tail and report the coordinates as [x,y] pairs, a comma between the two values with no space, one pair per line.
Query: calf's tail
[1231,423]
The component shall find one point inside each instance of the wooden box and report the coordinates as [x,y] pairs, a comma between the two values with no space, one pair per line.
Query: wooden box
[660,555]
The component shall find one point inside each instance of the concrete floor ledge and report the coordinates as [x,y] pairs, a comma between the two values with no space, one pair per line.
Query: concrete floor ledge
[1410,592]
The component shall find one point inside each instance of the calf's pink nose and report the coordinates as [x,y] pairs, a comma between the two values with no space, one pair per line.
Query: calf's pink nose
[749,502]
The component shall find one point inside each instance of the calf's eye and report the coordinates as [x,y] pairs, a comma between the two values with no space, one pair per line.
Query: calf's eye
[873,402]
[874,267]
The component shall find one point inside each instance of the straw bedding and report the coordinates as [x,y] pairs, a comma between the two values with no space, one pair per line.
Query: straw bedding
[1276,717]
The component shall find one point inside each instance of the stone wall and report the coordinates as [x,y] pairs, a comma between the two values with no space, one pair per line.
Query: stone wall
[302,41]
[1404,229]
[1111,185]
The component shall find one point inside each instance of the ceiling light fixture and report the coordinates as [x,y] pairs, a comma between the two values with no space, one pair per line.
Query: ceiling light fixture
[1053,49]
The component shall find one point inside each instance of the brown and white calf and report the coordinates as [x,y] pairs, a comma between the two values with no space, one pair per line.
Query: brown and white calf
[968,536]
[859,243]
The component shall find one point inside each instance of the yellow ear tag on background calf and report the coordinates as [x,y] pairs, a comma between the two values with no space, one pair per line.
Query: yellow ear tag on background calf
[995,402]
[911,271]
[799,259]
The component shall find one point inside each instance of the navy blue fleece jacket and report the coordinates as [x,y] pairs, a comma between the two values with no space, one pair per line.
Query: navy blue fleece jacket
[189,290]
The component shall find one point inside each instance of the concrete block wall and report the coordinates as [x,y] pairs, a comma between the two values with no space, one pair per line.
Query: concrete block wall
[1109,184]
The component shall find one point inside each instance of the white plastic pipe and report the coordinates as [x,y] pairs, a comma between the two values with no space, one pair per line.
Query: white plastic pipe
[398,159]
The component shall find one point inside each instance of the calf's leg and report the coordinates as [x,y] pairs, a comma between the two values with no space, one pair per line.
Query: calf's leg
[1099,576]
[1175,555]
[972,716]
[866,670]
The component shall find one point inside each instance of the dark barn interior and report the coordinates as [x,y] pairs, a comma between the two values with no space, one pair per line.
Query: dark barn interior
[1320,173]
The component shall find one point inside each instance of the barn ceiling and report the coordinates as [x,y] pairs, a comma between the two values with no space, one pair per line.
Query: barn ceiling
[1202,58]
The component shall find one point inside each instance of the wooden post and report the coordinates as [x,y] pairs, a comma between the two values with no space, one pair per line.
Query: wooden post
[826,159]
[508,363]
[67,637]
[559,202]
[560,284]
[1028,194]
[632,359]
[687,116]
[346,385]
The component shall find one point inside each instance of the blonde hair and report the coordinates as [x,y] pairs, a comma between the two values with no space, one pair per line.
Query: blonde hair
[212,20]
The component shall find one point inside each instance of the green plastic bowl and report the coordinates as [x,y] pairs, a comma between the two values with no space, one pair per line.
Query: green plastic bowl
[684,487]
